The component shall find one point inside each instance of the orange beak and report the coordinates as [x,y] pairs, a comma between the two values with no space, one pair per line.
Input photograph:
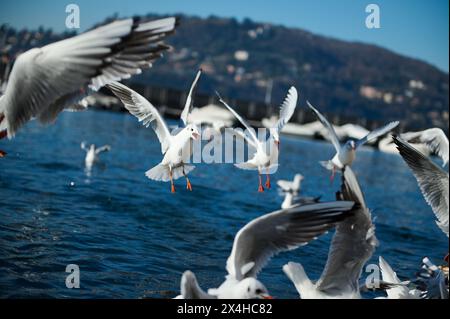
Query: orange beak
[267,297]
[195,136]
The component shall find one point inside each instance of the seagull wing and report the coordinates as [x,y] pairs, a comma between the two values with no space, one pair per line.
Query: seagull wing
[332,133]
[287,108]
[432,180]
[190,100]
[377,133]
[352,245]
[144,111]
[46,80]
[280,231]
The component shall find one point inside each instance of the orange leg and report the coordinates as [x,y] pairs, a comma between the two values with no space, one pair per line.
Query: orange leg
[172,187]
[333,174]
[260,187]
[188,182]
[267,179]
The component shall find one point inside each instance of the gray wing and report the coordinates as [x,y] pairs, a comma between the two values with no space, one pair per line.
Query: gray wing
[352,245]
[432,180]
[331,132]
[280,231]
[144,111]
[190,288]
[46,80]
[434,138]
[377,133]
[190,100]
[287,108]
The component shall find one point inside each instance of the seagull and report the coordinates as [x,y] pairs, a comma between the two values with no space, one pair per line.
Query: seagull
[266,156]
[432,180]
[92,153]
[175,148]
[345,154]
[352,246]
[434,138]
[265,237]
[433,281]
[397,289]
[190,288]
[291,190]
[45,81]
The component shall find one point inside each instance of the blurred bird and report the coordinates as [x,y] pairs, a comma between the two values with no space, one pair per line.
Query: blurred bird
[92,153]
[263,238]
[352,246]
[45,81]
[267,152]
[177,149]
[346,154]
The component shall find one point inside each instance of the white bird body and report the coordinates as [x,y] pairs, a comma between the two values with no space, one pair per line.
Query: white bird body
[92,154]
[90,157]
[344,157]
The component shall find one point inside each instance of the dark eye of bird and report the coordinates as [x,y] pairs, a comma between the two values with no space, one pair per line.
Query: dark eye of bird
[248,289]
[258,291]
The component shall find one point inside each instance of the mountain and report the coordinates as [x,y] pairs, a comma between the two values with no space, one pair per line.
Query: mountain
[242,60]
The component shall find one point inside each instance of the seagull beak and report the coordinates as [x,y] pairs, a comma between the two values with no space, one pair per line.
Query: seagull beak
[277,143]
[267,297]
[195,135]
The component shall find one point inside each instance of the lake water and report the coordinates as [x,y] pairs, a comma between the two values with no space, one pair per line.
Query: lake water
[132,238]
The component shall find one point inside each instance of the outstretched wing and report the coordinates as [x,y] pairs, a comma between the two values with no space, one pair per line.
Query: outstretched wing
[287,108]
[144,111]
[377,133]
[331,132]
[190,100]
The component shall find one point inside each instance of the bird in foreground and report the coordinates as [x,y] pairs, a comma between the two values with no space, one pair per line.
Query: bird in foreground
[45,81]
[265,237]
[92,153]
[396,289]
[433,181]
[351,247]
[434,138]
[177,149]
[266,157]
[291,190]
[346,154]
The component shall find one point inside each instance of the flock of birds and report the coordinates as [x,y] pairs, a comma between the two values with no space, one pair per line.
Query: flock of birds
[60,76]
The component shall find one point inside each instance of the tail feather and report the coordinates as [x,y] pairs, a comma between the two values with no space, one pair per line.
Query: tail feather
[161,172]
[246,166]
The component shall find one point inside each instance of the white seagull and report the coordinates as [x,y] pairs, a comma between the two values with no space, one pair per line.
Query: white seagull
[346,154]
[352,246]
[45,81]
[177,148]
[266,156]
[291,190]
[397,289]
[92,153]
[434,138]
[432,180]
[265,237]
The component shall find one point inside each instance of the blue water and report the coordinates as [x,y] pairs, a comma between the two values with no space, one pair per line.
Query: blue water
[132,238]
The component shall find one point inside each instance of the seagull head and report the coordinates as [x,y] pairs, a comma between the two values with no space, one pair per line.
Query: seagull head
[350,145]
[193,131]
[251,288]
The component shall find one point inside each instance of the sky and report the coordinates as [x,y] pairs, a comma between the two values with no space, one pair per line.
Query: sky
[416,28]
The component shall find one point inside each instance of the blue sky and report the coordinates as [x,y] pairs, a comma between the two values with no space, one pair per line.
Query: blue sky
[417,28]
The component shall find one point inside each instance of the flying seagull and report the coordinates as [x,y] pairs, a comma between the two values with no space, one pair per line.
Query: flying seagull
[176,148]
[265,237]
[267,152]
[352,246]
[345,154]
[432,180]
[45,81]
[92,153]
